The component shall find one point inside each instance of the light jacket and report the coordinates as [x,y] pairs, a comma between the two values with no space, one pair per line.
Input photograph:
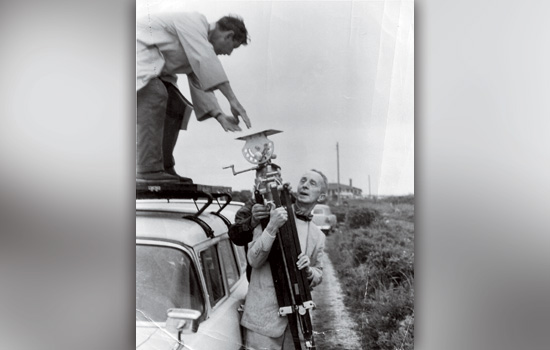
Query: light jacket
[261,307]
[177,43]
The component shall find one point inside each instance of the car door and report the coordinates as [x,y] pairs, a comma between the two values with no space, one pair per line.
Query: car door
[226,288]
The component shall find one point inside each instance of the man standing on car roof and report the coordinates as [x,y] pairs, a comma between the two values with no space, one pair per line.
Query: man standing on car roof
[264,327]
[180,43]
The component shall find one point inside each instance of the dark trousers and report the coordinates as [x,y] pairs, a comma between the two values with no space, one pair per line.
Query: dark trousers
[160,111]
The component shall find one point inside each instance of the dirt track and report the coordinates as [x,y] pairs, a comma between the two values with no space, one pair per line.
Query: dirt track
[332,324]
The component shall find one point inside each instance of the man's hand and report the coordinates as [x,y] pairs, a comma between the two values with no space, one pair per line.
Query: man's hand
[277,218]
[303,261]
[228,123]
[259,212]
[238,110]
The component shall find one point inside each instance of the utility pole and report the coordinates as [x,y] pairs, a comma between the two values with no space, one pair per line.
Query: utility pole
[338,170]
[369,188]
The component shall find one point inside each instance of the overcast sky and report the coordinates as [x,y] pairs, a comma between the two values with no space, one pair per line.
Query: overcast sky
[323,73]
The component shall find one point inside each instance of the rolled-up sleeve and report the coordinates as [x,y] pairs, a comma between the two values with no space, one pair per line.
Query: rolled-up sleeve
[259,248]
[205,103]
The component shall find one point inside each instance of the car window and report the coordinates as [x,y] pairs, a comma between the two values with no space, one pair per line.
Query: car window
[317,211]
[228,260]
[165,278]
[212,274]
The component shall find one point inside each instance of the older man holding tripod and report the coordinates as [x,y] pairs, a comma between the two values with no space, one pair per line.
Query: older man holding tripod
[265,329]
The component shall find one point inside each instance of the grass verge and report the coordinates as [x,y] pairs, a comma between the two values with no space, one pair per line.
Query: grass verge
[373,255]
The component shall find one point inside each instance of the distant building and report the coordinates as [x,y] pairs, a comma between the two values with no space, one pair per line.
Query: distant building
[345,191]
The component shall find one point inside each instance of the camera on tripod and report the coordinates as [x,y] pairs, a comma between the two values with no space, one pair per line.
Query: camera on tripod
[259,150]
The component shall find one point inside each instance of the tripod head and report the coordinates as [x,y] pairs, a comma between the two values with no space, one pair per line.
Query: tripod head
[258,150]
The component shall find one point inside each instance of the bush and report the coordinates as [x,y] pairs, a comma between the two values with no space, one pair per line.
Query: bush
[361,217]
[400,339]
[339,212]
[399,199]
[241,196]
[378,272]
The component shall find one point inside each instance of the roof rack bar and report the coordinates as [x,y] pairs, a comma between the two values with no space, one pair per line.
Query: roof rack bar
[228,199]
[206,205]
[183,191]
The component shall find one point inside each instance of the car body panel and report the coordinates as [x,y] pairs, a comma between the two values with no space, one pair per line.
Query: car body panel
[323,218]
[215,332]
[161,224]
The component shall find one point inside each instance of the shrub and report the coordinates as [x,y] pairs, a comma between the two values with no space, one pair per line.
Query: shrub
[241,196]
[339,212]
[361,217]
[375,261]
[391,319]
[399,199]
[340,217]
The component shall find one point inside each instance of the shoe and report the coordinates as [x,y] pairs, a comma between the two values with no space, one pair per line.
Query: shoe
[182,179]
[156,177]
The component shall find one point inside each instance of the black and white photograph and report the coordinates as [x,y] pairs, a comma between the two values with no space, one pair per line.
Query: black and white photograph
[368,174]
[275,175]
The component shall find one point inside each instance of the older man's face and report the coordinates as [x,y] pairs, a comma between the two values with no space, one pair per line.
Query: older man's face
[310,188]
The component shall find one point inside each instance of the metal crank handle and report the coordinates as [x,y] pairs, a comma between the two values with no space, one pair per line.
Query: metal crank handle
[232,167]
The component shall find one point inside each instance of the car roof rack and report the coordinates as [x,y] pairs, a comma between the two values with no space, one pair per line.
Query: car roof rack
[185,191]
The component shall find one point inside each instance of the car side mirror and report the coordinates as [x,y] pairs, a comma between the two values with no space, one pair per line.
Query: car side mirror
[182,321]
